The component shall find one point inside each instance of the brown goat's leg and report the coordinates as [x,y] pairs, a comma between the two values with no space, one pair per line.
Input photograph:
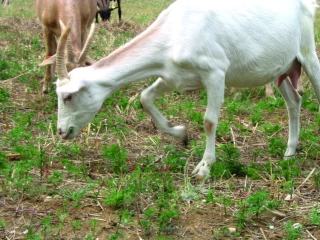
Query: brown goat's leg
[51,48]
[269,91]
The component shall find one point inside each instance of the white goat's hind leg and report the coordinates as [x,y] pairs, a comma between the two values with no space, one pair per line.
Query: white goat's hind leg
[293,102]
[215,93]
[147,98]
[312,68]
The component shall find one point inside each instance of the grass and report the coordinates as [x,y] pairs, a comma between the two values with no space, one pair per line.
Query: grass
[122,179]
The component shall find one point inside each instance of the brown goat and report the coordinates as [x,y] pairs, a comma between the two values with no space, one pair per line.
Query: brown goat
[54,14]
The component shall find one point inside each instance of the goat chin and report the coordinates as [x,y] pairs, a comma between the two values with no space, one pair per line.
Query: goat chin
[204,44]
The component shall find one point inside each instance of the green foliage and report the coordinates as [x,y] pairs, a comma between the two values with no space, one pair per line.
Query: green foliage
[76,224]
[256,116]
[277,147]
[314,216]
[257,201]
[176,158]
[294,231]
[223,129]
[2,224]
[289,169]
[117,157]
[228,163]
[316,179]
[75,194]
[4,96]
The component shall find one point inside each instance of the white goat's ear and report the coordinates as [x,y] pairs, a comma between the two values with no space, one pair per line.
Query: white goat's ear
[62,82]
[49,61]
[65,86]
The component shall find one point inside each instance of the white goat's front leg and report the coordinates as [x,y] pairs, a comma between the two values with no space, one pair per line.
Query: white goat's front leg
[293,102]
[147,98]
[215,94]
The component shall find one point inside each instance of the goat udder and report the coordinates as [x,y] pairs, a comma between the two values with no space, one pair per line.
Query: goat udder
[294,75]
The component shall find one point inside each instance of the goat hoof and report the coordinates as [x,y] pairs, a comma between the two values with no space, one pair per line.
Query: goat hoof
[185,142]
[289,157]
[202,170]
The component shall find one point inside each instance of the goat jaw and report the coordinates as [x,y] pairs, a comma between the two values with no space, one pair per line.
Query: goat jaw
[83,56]
[60,61]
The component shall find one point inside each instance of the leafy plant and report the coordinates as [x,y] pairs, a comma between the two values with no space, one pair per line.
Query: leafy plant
[314,216]
[316,179]
[76,224]
[294,231]
[117,157]
[257,201]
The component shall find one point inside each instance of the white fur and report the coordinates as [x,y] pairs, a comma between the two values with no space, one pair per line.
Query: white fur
[202,44]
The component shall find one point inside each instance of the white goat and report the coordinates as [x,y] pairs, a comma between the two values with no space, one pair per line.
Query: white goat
[80,13]
[204,44]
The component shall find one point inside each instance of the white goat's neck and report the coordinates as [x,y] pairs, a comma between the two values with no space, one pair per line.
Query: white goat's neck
[141,58]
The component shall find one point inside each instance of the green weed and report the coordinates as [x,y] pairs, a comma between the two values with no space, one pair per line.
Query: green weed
[117,157]
[294,231]
[314,216]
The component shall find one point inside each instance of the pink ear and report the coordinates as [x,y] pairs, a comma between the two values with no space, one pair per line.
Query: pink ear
[49,61]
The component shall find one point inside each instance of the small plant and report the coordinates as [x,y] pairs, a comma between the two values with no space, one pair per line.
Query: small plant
[146,222]
[223,129]
[2,224]
[210,196]
[228,162]
[277,147]
[316,179]
[176,158]
[75,224]
[241,215]
[117,157]
[257,201]
[256,116]
[314,216]
[61,217]
[31,232]
[294,231]
[46,227]
[75,194]
[289,169]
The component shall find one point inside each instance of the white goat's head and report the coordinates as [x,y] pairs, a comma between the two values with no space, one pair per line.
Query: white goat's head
[74,112]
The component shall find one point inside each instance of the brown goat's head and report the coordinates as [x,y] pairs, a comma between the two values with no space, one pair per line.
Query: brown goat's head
[73,61]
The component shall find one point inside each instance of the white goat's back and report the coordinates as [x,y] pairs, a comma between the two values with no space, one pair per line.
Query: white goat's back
[253,41]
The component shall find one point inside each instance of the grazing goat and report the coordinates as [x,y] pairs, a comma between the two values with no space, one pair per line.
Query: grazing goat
[204,44]
[104,9]
[80,13]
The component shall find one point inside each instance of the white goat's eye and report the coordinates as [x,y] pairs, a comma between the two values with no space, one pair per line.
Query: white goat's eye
[68,98]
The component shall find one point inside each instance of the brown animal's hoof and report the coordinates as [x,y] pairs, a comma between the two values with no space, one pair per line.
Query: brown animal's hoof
[185,142]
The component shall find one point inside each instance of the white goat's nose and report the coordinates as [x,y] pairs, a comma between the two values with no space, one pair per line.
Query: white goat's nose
[60,131]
